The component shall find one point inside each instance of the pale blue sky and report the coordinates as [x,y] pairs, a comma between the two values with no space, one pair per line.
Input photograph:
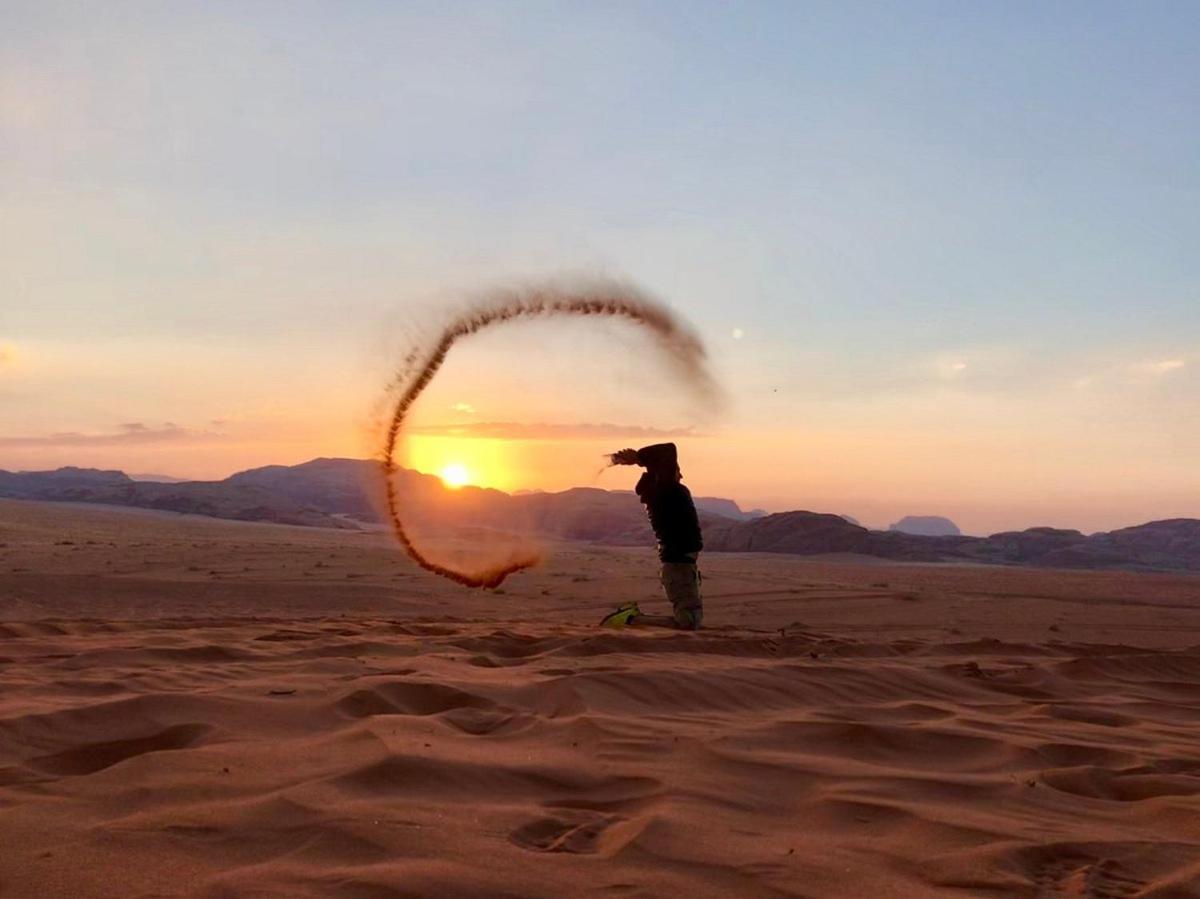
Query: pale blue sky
[933,222]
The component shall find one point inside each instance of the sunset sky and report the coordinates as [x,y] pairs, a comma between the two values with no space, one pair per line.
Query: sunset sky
[945,256]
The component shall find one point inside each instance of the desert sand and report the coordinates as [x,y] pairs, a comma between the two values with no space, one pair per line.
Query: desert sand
[192,707]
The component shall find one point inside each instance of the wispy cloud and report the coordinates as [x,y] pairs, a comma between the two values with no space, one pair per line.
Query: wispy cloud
[950,368]
[1016,369]
[465,408]
[1133,370]
[130,433]
[1157,368]
[509,430]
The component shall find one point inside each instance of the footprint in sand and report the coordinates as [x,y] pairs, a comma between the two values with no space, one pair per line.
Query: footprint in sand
[1092,870]
[1165,778]
[580,833]
[1100,879]
[401,697]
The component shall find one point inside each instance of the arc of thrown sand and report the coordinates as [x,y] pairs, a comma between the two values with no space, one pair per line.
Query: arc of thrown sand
[610,299]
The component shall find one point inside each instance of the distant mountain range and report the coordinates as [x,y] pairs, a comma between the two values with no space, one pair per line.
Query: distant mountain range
[346,493]
[1173,544]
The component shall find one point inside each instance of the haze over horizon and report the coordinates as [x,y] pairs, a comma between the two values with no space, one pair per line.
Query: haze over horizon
[944,258]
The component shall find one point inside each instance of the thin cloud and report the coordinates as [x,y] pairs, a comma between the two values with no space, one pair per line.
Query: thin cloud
[996,366]
[1158,368]
[509,430]
[465,408]
[948,369]
[130,433]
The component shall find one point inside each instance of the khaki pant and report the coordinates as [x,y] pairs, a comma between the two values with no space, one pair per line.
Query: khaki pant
[681,581]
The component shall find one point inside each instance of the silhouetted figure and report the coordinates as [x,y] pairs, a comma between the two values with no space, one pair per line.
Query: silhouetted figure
[673,517]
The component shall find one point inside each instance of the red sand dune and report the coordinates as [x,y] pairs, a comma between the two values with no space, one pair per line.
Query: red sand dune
[201,708]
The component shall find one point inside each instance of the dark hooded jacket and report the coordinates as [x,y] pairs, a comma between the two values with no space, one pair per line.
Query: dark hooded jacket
[668,504]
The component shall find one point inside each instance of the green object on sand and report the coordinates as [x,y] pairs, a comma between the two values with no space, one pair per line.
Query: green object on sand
[622,616]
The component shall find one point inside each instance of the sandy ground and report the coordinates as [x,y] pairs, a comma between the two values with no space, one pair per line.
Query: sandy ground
[204,708]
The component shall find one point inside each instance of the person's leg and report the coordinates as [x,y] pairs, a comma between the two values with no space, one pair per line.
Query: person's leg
[681,581]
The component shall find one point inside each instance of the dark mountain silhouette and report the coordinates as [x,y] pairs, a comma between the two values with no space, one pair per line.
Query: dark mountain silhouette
[1173,544]
[926,526]
[24,482]
[334,486]
[219,499]
[726,508]
[347,493]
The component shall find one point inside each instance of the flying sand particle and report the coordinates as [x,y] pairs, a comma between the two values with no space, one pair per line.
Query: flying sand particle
[610,299]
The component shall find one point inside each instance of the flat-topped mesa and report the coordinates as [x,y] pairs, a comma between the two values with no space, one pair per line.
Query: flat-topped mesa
[926,526]
[21,483]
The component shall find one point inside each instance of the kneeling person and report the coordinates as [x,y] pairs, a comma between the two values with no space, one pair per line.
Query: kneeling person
[673,517]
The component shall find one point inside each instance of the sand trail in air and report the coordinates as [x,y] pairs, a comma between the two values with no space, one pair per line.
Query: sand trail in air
[608,299]
[217,715]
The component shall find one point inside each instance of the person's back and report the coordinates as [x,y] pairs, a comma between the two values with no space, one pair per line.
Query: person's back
[673,517]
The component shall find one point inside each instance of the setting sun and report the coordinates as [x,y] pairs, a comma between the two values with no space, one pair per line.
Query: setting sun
[455,475]
[460,461]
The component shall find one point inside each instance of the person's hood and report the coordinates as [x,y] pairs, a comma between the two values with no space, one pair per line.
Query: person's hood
[659,458]
[661,461]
